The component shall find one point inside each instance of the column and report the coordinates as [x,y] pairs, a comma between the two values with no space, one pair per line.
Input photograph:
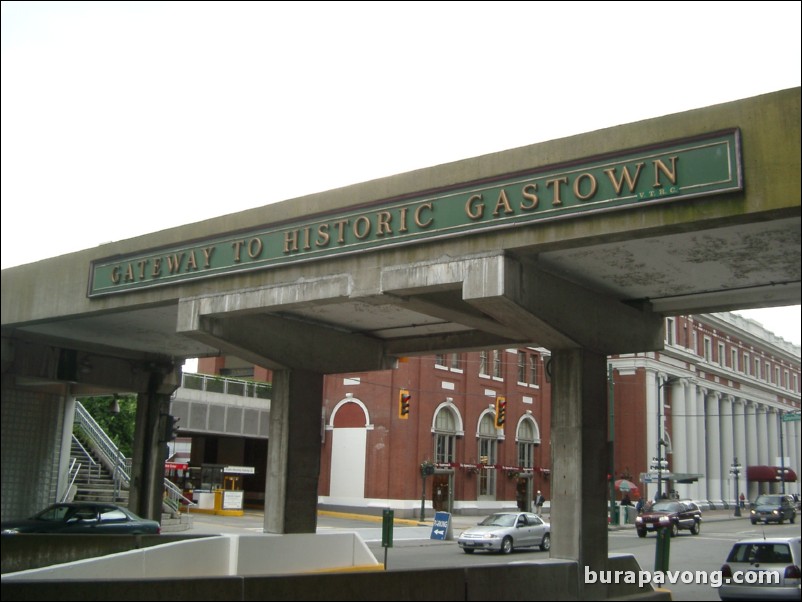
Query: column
[293,457]
[725,420]
[579,461]
[701,450]
[679,434]
[772,419]
[762,442]
[751,458]
[651,425]
[739,445]
[712,430]
[695,437]
[795,441]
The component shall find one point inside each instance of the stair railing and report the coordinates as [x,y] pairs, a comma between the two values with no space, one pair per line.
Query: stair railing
[72,474]
[114,459]
[118,464]
[93,466]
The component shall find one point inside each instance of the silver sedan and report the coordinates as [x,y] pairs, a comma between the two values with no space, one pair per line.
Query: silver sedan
[505,531]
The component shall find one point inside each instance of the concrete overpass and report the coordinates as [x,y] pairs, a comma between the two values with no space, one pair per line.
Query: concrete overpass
[582,245]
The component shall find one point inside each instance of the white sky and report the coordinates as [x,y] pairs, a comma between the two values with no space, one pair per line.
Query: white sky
[122,118]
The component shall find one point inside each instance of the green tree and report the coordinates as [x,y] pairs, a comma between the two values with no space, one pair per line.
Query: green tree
[118,426]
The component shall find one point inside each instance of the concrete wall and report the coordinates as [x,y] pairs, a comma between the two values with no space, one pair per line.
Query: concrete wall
[543,580]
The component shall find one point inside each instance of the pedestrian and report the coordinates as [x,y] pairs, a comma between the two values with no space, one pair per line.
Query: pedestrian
[742,500]
[625,501]
[539,501]
[639,505]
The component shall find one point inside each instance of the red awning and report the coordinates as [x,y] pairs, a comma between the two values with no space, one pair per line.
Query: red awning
[769,474]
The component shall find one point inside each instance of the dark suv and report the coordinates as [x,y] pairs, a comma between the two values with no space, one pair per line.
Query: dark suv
[773,507]
[670,513]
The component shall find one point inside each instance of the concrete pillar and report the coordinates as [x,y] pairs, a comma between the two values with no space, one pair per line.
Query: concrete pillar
[66,443]
[679,434]
[579,461]
[751,457]
[293,457]
[712,429]
[146,492]
[727,454]
[794,441]
[695,439]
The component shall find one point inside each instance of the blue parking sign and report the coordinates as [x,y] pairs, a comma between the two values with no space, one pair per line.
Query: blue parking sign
[441,529]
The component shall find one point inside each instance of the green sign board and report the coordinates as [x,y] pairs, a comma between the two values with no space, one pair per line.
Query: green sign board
[657,174]
[791,417]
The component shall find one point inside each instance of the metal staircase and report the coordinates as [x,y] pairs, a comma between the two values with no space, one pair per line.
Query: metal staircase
[104,473]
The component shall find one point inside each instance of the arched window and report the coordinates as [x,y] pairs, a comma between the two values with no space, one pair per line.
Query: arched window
[488,454]
[445,436]
[527,438]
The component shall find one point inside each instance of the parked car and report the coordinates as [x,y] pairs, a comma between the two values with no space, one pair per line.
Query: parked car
[82,517]
[773,508]
[670,513]
[504,531]
[752,562]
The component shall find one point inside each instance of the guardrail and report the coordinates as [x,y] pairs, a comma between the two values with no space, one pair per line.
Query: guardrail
[227,386]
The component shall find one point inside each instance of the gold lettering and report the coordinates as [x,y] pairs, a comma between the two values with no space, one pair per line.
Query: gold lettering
[192,262]
[418,221]
[174,263]
[475,207]
[237,248]
[403,227]
[207,255]
[290,241]
[322,235]
[307,245]
[142,264]
[529,192]
[383,219]
[341,229]
[157,267]
[660,166]
[129,273]
[578,186]
[502,201]
[555,184]
[115,274]
[361,231]
[631,182]
[254,247]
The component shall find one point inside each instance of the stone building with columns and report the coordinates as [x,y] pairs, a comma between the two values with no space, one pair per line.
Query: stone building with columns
[723,392]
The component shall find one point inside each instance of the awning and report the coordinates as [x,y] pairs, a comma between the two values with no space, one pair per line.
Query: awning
[770,474]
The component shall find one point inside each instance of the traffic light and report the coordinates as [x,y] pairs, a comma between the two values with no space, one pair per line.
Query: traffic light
[403,404]
[170,428]
[501,411]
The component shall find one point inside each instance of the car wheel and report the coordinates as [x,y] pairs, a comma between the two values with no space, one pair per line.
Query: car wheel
[754,522]
[506,545]
[793,518]
[641,532]
[695,528]
[674,530]
[545,545]
[468,550]
[781,521]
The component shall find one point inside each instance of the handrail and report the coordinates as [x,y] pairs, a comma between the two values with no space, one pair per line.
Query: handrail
[102,443]
[73,470]
[119,465]
[227,386]
[89,457]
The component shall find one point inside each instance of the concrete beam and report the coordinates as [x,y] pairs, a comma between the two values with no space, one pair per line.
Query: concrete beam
[557,313]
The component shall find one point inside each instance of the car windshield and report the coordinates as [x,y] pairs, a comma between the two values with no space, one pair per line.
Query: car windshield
[752,553]
[768,500]
[666,507]
[499,520]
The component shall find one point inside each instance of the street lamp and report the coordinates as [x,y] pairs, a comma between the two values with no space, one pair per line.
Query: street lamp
[659,461]
[735,470]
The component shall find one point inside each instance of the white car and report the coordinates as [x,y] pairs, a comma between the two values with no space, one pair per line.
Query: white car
[504,531]
[763,569]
